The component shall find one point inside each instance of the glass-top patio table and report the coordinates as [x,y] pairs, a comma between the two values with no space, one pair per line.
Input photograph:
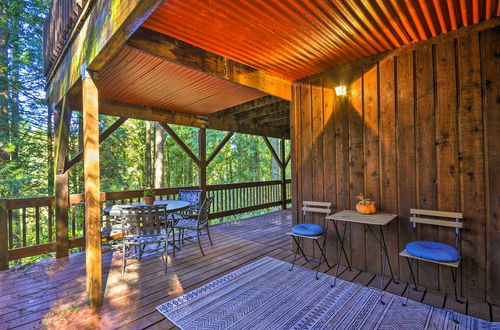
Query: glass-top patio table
[171,206]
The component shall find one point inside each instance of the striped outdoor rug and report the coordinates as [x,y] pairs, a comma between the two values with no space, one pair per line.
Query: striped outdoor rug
[265,295]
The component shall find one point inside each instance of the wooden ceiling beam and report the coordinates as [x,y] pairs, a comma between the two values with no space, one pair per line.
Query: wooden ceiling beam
[252,105]
[265,111]
[276,115]
[276,121]
[182,53]
[222,123]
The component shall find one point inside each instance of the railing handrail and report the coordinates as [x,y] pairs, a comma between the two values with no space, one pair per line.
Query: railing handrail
[229,199]
[40,201]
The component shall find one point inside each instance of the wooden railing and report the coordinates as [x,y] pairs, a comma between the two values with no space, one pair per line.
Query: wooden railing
[27,225]
[61,20]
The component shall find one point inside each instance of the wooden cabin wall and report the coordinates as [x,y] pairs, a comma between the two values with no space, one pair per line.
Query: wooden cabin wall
[418,128]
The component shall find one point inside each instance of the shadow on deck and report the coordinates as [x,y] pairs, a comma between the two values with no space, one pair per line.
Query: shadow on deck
[52,293]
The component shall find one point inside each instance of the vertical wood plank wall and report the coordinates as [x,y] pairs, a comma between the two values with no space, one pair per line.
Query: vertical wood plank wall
[420,127]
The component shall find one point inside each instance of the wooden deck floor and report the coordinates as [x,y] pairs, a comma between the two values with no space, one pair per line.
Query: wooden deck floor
[52,293]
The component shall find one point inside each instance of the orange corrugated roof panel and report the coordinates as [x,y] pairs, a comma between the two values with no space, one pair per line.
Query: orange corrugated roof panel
[138,78]
[296,38]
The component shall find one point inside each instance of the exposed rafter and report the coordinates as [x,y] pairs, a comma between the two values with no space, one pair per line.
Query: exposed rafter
[264,112]
[215,121]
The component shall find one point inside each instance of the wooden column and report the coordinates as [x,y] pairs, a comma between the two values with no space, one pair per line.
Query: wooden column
[62,119]
[283,174]
[4,237]
[202,147]
[91,173]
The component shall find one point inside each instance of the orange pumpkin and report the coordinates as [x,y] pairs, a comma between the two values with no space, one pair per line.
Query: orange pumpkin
[365,205]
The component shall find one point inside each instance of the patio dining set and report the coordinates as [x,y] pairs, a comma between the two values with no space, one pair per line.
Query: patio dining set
[145,228]
[425,251]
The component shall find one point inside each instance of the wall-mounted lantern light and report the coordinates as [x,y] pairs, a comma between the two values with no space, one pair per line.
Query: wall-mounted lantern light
[340,90]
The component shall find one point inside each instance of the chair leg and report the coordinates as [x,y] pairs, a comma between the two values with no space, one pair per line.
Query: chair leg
[410,276]
[124,259]
[320,258]
[455,299]
[199,242]
[209,238]
[296,252]
[166,254]
[382,281]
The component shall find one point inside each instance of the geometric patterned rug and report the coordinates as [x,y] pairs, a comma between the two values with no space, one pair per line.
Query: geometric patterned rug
[265,295]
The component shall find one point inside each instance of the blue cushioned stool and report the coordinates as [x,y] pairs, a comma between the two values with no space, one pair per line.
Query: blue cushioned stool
[311,231]
[435,252]
[308,229]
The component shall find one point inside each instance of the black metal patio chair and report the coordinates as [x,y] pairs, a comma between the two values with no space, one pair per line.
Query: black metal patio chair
[199,224]
[143,226]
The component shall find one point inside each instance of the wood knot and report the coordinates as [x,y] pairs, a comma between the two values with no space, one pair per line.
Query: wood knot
[441,141]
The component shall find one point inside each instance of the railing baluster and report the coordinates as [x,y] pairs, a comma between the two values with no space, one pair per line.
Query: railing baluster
[37,224]
[4,239]
[24,226]
[73,221]
[49,223]
[11,231]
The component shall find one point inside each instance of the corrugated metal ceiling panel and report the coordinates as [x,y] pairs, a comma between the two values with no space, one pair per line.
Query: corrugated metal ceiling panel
[296,38]
[137,78]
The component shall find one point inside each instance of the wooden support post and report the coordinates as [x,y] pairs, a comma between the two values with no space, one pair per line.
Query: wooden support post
[283,174]
[4,238]
[91,173]
[202,147]
[62,119]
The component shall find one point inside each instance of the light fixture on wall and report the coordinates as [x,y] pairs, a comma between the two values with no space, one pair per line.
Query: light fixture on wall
[341,90]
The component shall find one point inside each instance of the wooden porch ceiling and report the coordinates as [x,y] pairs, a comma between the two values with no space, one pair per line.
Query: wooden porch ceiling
[138,85]
[135,77]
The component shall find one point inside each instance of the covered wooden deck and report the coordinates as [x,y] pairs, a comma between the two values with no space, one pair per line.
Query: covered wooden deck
[52,294]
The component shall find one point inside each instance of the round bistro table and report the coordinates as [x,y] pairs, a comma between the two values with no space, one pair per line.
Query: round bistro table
[171,206]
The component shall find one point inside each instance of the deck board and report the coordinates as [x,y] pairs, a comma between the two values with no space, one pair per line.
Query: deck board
[52,293]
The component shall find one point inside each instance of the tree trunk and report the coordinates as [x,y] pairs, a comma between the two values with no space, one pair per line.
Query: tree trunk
[168,177]
[159,156]
[274,164]
[14,89]
[4,97]
[148,154]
